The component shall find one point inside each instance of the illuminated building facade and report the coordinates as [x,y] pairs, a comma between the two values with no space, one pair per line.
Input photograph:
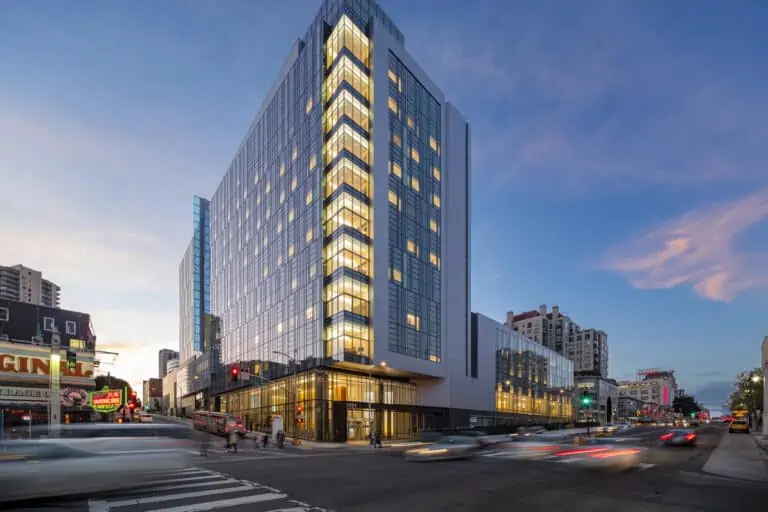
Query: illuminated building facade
[340,241]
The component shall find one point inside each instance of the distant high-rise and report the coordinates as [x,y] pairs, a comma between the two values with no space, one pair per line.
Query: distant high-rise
[340,237]
[24,284]
[194,283]
[163,356]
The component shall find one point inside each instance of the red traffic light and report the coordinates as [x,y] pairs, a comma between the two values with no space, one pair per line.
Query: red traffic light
[131,405]
[235,370]
[299,409]
[133,394]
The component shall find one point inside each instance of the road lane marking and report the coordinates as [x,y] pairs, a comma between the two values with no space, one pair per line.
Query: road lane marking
[644,466]
[213,505]
[221,481]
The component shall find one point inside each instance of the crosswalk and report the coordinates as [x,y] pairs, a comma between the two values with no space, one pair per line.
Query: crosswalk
[199,490]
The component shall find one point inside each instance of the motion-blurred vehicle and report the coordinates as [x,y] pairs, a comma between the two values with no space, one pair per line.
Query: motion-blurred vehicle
[738,426]
[90,458]
[217,423]
[449,447]
[146,418]
[679,437]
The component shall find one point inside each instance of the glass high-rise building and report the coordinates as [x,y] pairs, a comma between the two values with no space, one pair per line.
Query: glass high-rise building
[340,240]
[194,283]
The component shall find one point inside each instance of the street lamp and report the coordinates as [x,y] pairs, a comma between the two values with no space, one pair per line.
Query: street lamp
[382,364]
[294,381]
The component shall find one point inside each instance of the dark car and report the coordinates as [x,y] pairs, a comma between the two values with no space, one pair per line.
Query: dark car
[679,437]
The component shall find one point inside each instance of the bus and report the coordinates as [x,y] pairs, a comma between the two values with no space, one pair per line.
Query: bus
[217,423]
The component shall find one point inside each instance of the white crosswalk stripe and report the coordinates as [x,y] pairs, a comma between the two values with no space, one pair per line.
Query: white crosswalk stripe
[198,490]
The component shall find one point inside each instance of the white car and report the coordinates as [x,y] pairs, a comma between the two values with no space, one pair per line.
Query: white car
[91,458]
[146,418]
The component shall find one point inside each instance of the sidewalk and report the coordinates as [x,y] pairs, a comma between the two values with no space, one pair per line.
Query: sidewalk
[739,456]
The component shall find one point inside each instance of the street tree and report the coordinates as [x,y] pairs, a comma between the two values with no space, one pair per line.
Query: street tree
[748,391]
[685,405]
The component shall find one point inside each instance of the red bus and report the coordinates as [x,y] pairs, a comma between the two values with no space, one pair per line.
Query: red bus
[218,423]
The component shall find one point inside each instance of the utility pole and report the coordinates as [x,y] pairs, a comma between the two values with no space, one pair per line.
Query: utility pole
[54,408]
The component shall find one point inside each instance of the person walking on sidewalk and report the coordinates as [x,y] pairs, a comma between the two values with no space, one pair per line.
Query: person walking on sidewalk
[377,440]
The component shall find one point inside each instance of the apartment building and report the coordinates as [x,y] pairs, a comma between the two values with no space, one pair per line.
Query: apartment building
[27,285]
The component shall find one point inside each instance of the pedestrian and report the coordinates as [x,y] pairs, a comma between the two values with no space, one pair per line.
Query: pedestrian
[377,440]
[373,440]
[234,437]
[204,443]
[265,440]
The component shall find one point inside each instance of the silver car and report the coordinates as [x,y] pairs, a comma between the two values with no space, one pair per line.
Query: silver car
[90,458]
[450,447]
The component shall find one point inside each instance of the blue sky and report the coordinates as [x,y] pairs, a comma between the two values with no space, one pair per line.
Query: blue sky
[619,158]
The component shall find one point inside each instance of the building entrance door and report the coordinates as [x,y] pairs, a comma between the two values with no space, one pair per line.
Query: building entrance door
[358,425]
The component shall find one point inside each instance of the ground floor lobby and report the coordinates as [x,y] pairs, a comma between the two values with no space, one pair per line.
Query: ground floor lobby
[336,406]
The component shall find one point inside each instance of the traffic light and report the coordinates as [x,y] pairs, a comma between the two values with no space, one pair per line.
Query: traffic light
[693,414]
[71,360]
[586,399]
[299,413]
[234,373]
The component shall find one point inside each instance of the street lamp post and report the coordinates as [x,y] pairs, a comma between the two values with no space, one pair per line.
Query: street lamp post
[755,380]
[294,381]
[371,425]
[54,407]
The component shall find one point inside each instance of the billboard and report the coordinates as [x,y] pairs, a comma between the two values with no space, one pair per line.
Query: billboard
[107,400]
[30,364]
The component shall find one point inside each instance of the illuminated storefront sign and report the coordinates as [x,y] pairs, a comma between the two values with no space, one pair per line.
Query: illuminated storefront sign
[32,364]
[71,397]
[107,400]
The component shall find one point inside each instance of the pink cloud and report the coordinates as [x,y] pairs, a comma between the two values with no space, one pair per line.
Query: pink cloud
[699,249]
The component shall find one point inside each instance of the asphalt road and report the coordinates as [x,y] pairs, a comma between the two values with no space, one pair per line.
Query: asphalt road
[344,479]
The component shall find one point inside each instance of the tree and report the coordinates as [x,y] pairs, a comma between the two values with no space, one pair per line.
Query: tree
[685,405]
[108,381]
[748,394]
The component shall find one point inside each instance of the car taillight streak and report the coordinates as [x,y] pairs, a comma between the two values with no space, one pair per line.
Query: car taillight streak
[690,437]
[667,437]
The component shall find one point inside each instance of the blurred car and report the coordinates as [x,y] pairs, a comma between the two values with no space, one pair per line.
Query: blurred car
[449,447]
[529,448]
[610,458]
[679,437]
[146,418]
[738,426]
[89,458]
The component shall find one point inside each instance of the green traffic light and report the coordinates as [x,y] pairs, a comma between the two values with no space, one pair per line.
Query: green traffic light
[693,414]
[586,400]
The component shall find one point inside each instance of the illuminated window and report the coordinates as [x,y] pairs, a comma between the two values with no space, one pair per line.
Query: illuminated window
[345,138]
[266,271]
[412,247]
[291,250]
[312,162]
[267,187]
[411,123]
[279,259]
[396,140]
[347,71]
[279,226]
[346,172]
[345,104]
[394,199]
[309,106]
[434,259]
[310,313]
[393,105]
[295,154]
[282,169]
[280,328]
[282,196]
[392,76]
[291,214]
[433,145]
[397,275]
[415,183]
[294,183]
[414,321]
[436,200]
[395,169]
[347,35]
[415,155]
[436,173]
[309,236]
[309,196]
[294,283]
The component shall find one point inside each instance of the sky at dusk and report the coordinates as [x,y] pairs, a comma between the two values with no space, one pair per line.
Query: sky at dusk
[619,159]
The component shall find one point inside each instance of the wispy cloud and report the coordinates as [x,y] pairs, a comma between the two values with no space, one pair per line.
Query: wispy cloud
[699,249]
